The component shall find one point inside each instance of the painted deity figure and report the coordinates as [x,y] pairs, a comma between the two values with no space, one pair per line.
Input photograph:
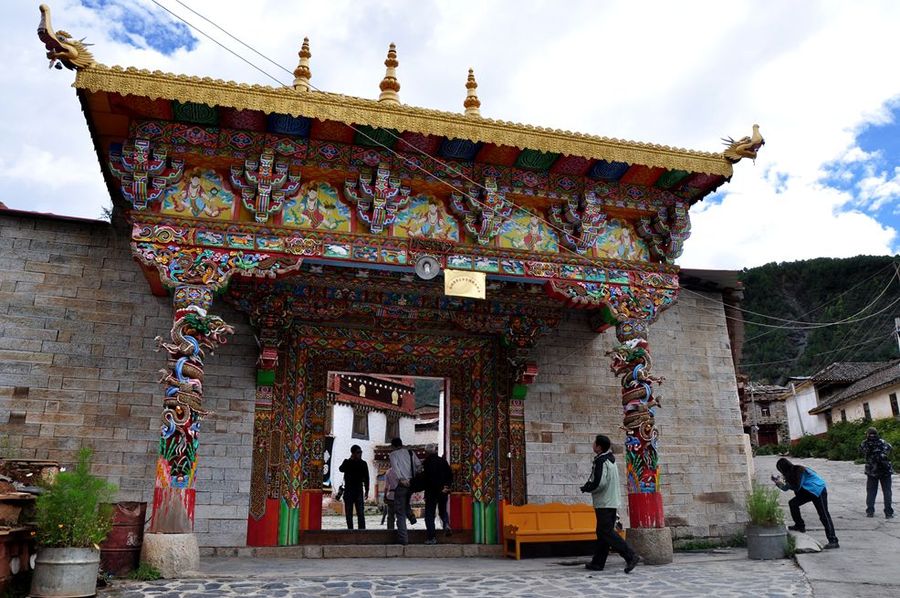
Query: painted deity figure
[316,208]
[432,225]
[533,236]
[195,198]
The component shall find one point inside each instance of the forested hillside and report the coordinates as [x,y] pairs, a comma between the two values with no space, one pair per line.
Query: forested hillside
[829,309]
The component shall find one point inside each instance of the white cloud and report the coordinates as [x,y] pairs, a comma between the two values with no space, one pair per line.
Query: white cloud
[811,74]
[880,189]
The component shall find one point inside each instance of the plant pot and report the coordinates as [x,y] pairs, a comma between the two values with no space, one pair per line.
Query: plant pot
[65,572]
[766,543]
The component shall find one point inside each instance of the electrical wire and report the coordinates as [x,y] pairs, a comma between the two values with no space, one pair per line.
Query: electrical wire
[832,300]
[476,184]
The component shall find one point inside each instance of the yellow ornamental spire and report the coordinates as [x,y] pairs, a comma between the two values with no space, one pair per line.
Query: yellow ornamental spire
[302,74]
[389,85]
[472,103]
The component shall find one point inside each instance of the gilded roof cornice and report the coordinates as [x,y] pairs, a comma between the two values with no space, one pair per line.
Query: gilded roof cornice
[359,111]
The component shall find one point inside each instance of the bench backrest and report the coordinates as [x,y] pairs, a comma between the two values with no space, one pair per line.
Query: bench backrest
[551,516]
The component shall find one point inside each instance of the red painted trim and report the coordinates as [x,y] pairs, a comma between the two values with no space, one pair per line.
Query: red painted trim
[646,510]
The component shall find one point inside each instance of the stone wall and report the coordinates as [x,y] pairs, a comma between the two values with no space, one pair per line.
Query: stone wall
[703,459]
[78,368]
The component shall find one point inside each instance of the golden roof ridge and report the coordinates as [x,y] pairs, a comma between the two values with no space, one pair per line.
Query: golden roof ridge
[363,111]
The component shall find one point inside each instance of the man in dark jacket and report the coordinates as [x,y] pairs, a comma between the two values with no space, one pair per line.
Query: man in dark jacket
[356,486]
[604,488]
[438,480]
[878,472]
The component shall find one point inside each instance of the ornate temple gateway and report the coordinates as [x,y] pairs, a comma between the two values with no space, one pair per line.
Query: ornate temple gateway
[324,218]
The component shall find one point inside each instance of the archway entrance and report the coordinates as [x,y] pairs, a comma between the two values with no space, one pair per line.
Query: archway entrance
[290,435]
[364,413]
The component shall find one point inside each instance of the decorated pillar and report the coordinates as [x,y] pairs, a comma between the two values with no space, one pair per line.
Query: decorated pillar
[194,332]
[632,362]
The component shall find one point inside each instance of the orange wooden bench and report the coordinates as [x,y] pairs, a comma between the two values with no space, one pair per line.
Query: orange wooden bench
[552,522]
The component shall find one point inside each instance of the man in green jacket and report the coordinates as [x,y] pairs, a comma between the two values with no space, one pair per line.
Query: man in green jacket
[604,488]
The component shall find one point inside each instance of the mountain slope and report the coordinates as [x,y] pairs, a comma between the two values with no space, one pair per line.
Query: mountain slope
[841,311]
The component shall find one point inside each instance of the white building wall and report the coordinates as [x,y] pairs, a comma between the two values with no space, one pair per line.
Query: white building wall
[879,405]
[800,422]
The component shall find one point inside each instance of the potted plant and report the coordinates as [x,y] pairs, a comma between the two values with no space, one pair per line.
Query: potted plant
[766,535]
[72,518]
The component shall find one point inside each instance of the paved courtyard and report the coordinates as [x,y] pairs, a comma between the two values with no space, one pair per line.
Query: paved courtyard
[864,566]
[723,575]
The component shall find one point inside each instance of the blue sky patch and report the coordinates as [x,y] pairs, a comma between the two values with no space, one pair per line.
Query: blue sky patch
[873,178]
[143,25]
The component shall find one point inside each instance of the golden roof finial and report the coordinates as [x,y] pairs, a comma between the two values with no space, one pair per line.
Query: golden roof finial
[389,85]
[302,74]
[472,103]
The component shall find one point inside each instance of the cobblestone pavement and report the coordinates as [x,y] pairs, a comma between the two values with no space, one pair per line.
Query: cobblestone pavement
[721,578]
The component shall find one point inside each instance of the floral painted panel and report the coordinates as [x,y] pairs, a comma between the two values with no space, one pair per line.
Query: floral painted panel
[620,242]
[201,193]
[426,217]
[318,206]
[529,232]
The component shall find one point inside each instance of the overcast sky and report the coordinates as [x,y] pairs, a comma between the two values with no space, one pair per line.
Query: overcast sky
[822,79]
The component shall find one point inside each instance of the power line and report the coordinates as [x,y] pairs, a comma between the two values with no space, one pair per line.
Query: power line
[450,168]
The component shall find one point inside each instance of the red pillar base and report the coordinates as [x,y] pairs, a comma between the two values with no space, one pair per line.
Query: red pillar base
[646,510]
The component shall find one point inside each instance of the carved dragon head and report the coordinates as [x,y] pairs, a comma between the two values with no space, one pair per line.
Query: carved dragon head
[629,354]
[62,49]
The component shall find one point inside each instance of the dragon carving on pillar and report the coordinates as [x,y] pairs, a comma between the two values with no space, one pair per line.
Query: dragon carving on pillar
[631,360]
[193,333]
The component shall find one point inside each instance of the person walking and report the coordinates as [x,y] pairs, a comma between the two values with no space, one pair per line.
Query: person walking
[807,487]
[356,486]
[603,484]
[438,480]
[405,464]
[390,486]
[879,470]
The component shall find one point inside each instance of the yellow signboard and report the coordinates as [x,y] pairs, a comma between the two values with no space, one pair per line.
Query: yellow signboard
[460,283]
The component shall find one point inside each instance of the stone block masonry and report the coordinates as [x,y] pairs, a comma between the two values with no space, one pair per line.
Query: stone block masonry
[703,472]
[77,368]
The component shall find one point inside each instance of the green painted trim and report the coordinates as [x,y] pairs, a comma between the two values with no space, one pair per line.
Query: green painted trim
[536,160]
[375,136]
[490,523]
[283,523]
[265,377]
[477,523]
[198,114]
[519,391]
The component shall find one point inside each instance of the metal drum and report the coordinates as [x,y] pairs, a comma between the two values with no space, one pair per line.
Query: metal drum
[120,553]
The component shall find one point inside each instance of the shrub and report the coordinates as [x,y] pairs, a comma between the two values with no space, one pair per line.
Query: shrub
[763,506]
[71,511]
[809,446]
[773,449]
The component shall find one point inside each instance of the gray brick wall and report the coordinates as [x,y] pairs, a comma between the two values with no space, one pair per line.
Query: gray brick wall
[703,463]
[77,368]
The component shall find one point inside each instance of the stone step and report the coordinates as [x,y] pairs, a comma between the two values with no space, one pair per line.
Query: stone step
[364,551]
